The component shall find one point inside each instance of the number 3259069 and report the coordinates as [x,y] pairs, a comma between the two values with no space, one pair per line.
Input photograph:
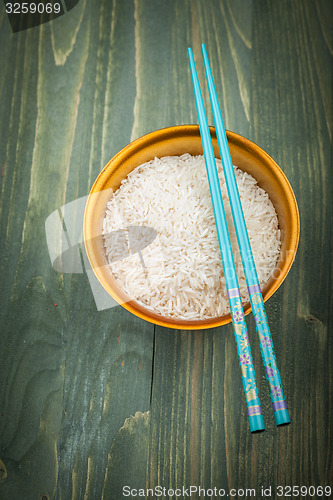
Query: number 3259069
[32,8]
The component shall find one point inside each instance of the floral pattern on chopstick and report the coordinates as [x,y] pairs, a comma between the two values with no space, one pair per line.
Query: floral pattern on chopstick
[244,352]
[266,347]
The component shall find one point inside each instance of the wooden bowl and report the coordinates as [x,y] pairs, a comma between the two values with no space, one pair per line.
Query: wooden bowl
[176,141]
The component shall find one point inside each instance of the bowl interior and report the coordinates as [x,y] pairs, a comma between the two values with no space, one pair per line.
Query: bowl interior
[177,141]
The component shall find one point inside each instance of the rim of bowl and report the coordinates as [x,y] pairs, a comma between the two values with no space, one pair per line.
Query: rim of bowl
[166,134]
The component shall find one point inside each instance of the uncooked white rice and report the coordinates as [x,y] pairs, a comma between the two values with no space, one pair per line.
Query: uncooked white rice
[180,273]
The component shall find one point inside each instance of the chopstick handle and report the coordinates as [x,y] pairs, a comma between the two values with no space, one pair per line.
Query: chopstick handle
[254,411]
[273,377]
[255,417]
[281,413]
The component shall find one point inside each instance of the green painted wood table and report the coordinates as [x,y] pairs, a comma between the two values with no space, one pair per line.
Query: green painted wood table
[95,403]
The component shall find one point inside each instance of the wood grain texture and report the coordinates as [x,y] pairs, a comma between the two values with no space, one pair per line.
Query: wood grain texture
[93,400]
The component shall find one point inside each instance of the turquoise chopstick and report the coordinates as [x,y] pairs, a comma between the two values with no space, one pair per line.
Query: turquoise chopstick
[254,411]
[279,404]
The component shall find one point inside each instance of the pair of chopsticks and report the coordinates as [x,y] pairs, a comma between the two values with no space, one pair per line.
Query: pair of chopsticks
[254,411]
